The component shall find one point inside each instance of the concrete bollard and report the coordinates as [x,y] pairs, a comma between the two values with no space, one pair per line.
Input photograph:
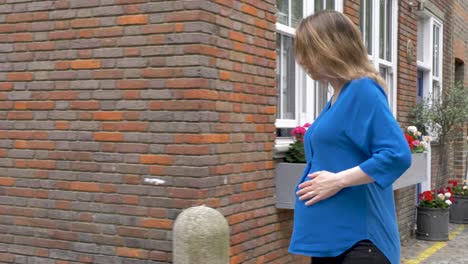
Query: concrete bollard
[201,236]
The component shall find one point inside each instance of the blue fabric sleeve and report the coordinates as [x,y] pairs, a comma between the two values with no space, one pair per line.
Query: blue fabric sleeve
[375,131]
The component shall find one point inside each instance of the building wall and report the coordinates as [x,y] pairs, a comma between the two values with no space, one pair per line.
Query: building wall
[100,95]
[406,98]
[460,43]
[97,96]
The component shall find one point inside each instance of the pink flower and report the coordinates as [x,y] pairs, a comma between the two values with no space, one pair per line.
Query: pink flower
[306,125]
[416,143]
[298,130]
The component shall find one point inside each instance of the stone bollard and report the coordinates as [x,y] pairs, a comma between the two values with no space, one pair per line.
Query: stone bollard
[201,236]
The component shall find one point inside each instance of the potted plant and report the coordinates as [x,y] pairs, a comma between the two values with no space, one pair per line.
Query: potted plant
[459,209]
[418,171]
[433,215]
[289,172]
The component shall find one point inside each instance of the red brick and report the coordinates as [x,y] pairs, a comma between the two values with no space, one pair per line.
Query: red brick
[132,20]
[37,164]
[86,105]
[107,116]
[249,10]
[19,76]
[132,84]
[132,253]
[156,159]
[22,144]
[34,105]
[85,22]
[7,181]
[86,64]
[84,186]
[21,37]
[202,138]
[6,86]
[108,136]
[108,74]
[156,223]
[20,115]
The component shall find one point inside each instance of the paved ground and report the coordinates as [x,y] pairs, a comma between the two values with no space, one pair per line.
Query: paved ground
[454,251]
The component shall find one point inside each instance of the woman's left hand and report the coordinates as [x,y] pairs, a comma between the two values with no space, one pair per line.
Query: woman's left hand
[322,185]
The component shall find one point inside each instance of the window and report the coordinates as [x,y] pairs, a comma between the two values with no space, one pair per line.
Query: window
[378,18]
[429,56]
[299,98]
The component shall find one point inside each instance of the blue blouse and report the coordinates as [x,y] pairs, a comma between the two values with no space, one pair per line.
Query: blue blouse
[358,130]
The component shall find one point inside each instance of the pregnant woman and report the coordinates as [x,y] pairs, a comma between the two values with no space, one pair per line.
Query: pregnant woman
[355,150]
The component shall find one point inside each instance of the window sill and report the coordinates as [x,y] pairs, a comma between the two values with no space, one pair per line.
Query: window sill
[281,147]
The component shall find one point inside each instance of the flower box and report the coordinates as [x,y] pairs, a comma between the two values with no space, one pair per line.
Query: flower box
[286,178]
[417,172]
[288,175]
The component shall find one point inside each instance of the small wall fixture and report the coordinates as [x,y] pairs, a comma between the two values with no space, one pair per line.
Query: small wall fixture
[419,5]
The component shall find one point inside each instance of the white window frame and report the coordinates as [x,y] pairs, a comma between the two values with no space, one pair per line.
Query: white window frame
[426,65]
[304,85]
[374,57]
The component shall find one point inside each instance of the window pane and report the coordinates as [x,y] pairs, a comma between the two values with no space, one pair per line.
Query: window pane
[285,77]
[366,23]
[330,4]
[385,29]
[436,49]
[283,11]
[318,5]
[420,94]
[388,77]
[297,12]
[278,76]
[321,97]
[421,35]
[289,92]
[435,90]
[283,132]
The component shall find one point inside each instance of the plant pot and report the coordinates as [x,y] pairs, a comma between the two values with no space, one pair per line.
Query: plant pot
[432,223]
[286,179]
[459,210]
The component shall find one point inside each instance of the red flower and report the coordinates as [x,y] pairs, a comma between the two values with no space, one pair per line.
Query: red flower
[410,140]
[453,182]
[426,196]
[449,190]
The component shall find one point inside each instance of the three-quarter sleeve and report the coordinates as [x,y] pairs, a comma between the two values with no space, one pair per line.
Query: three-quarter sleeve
[376,133]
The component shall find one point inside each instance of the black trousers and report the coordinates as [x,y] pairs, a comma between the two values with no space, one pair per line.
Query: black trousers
[363,252]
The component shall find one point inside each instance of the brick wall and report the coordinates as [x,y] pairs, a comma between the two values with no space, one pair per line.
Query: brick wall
[406,99]
[99,95]
[460,50]
[81,127]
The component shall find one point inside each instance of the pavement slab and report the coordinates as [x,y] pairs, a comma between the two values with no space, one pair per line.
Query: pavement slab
[454,251]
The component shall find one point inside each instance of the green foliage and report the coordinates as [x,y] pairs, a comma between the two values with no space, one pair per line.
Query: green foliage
[436,203]
[442,116]
[459,188]
[296,153]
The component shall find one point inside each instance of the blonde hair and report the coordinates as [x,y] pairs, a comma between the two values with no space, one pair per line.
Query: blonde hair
[329,41]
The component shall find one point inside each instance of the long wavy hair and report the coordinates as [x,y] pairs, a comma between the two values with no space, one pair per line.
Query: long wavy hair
[328,45]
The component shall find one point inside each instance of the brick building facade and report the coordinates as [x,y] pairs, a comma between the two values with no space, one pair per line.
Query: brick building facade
[99,95]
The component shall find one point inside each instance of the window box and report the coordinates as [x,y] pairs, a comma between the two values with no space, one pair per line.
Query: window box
[286,179]
[288,175]
[417,173]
